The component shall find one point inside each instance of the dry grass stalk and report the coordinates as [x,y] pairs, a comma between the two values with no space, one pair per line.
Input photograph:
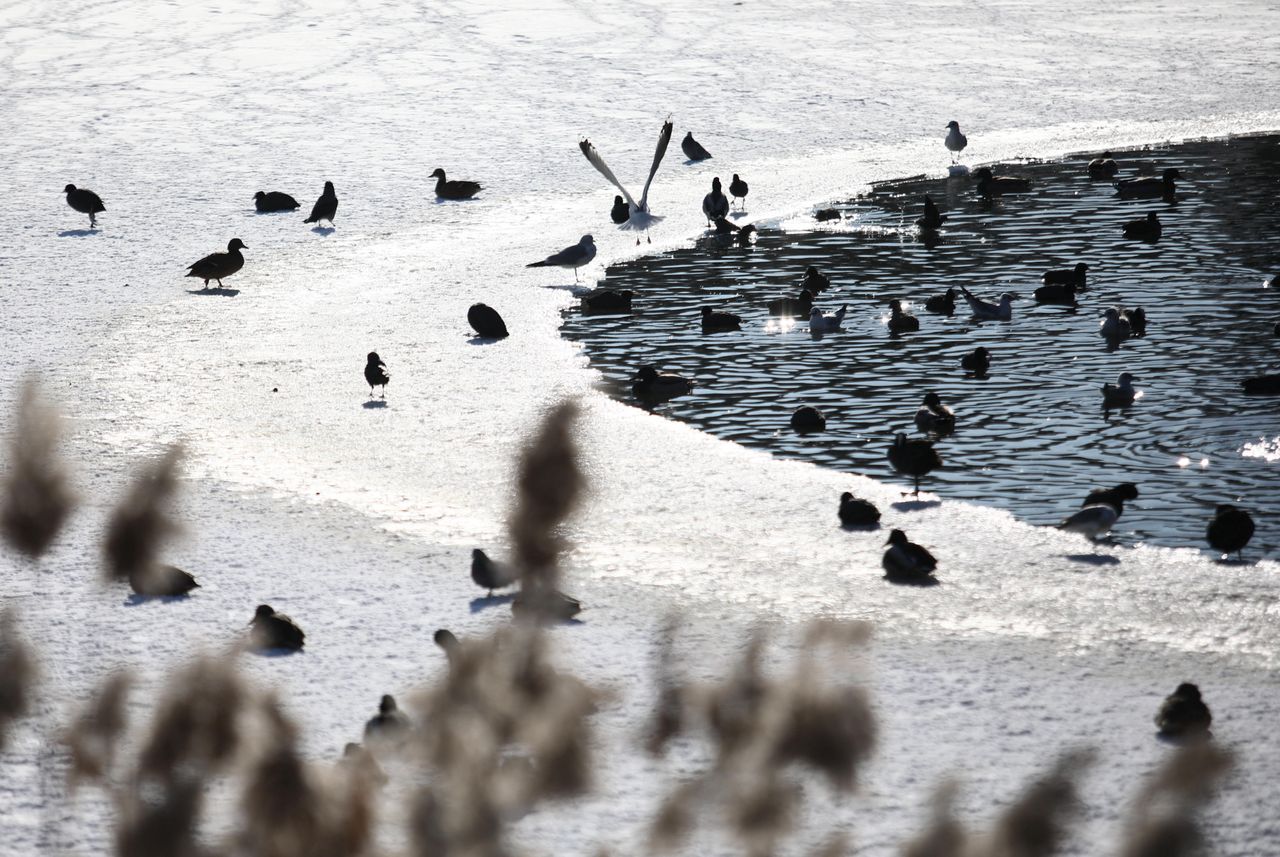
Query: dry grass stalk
[669,712]
[1035,825]
[1164,818]
[93,735]
[17,674]
[141,523]
[945,836]
[197,725]
[164,822]
[36,499]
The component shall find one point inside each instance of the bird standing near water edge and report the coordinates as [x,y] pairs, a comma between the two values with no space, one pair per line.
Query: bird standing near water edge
[738,190]
[913,457]
[715,205]
[955,141]
[1230,530]
[573,256]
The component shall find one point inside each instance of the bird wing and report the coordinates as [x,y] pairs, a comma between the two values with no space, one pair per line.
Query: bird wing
[664,139]
[598,162]
[839,316]
[567,256]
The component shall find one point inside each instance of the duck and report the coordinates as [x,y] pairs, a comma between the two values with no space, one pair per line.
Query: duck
[1068,276]
[489,574]
[954,141]
[162,581]
[913,457]
[639,216]
[573,256]
[216,266]
[1114,497]
[1146,187]
[556,606]
[272,630]
[1091,521]
[856,512]
[1262,385]
[607,301]
[798,306]
[1002,311]
[815,281]
[389,724]
[1183,714]
[1121,393]
[620,213]
[822,215]
[719,322]
[653,385]
[486,322]
[1103,167]
[990,185]
[807,418]
[738,189]
[375,373]
[933,219]
[901,321]
[819,323]
[1230,529]
[1146,229]
[456,189]
[273,200]
[943,304]
[715,204]
[907,562]
[1057,293]
[1114,326]
[692,149]
[1137,318]
[933,416]
[326,206]
[85,201]
[977,361]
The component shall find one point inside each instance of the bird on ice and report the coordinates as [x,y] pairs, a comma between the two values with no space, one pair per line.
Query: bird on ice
[692,149]
[574,256]
[273,200]
[819,323]
[326,206]
[1091,521]
[375,373]
[907,562]
[215,266]
[715,205]
[1103,167]
[955,141]
[619,213]
[272,630]
[856,512]
[490,574]
[1183,715]
[640,217]
[84,201]
[738,189]
[453,188]
[914,458]
[1002,311]
[1230,529]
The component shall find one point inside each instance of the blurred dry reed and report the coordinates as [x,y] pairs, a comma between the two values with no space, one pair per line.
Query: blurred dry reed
[17,674]
[36,497]
[140,524]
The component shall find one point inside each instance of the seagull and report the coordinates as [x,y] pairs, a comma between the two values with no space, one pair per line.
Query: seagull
[1067,276]
[574,256]
[1114,326]
[719,322]
[619,213]
[486,322]
[944,303]
[1091,521]
[455,189]
[977,361]
[1147,229]
[1147,187]
[901,321]
[1183,714]
[1230,529]
[84,201]
[992,185]
[932,217]
[856,512]
[215,266]
[640,218]
[272,630]
[326,206]
[914,457]
[738,189]
[819,323]
[1119,394]
[906,562]
[933,416]
[1103,167]
[273,200]
[985,309]
[489,574]
[693,149]
[955,141]
[375,373]
[389,724]
[715,205]
[653,385]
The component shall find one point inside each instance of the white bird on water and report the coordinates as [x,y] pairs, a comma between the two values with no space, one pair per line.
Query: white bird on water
[1091,521]
[573,257]
[819,323]
[640,217]
[985,309]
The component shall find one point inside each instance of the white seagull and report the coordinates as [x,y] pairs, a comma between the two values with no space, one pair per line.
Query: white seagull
[570,257]
[1091,521]
[955,141]
[640,217]
[985,309]
[819,323]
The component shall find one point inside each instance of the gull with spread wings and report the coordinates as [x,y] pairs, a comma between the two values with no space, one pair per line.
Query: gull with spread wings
[640,217]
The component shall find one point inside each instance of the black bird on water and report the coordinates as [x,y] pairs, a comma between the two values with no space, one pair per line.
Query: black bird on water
[486,321]
[1145,187]
[913,457]
[1147,229]
[692,149]
[933,218]
[488,574]
[944,304]
[856,512]
[738,189]
[454,189]
[215,266]
[814,280]
[990,185]
[620,213]
[273,200]
[901,321]
[807,418]
[1103,167]
[607,300]
[375,373]
[793,307]
[1057,293]
[1230,529]
[976,362]
[84,201]
[1262,385]
[390,723]
[1183,715]
[163,581]
[326,206]
[1068,276]
[272,630]
[719,322]
[907,562]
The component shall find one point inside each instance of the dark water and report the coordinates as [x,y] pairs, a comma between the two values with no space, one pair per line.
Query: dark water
[1032,437]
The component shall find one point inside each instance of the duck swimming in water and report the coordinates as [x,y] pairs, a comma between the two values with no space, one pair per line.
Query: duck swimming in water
[976,362]
[1063,294]
[1263,385]
[815,281]
[1147,187]
[1147,229]
[1114,326]
[943,304]
[653,385]
[901,321]
[1103,167]
[933,416]
[798,306]
[933,218]
[807,418]
[607,301]
[719,322]
[990,185]
[1068,276]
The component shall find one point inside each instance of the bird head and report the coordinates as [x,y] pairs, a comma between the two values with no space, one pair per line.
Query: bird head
[585,240]
[953,125]
[437,173]
[328,187]
[387,704]
[259,195]
[933,400]
[1172,174]
[69,189]
[1081,267]
[236,244]
[715,183]
[264,611]
[1187,690]
[374,358]
[897,537]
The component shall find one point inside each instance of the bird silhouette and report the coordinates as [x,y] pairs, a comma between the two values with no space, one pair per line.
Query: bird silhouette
[1230,530]
[215,266]
[456,189]
[273,200]
[375,373]
[573,256]
[639,215]
[692,149]
[738,189]
[913,457]
[326,206]
[85,201]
